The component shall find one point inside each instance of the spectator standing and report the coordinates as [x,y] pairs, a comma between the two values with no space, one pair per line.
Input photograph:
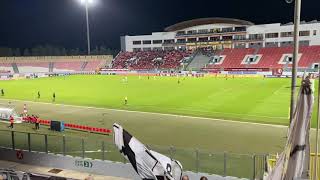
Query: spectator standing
[37,123]
[11,122]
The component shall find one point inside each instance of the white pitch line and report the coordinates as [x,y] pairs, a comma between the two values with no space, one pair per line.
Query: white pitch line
[164,114]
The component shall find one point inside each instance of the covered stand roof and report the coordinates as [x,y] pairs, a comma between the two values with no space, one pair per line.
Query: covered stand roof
[205,21]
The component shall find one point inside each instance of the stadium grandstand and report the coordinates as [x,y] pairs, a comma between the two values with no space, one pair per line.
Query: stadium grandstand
[220,43]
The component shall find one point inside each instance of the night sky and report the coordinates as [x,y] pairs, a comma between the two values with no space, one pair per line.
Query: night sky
[27,23]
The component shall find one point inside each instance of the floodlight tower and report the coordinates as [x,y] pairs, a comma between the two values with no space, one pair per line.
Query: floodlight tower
[86,3]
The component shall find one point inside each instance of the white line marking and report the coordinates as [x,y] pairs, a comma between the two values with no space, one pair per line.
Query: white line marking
[164,114]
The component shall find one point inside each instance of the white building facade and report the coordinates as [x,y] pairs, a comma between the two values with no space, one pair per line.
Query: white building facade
[220,33]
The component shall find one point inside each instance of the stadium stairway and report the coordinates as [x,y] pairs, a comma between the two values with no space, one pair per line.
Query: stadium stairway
[83,66]
[198,62]
[15,68]
[51,65]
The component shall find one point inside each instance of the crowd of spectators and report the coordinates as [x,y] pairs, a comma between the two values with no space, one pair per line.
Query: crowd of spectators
[207,51]
[150,59]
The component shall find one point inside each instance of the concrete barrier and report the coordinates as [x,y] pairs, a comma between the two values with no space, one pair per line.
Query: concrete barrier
[106,168]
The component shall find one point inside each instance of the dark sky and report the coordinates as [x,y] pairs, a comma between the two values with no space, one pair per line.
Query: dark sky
[27,23]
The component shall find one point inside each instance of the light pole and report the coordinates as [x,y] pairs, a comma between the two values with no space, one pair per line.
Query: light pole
[87,3]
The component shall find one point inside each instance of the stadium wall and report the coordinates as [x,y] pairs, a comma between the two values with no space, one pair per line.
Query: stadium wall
[106,168]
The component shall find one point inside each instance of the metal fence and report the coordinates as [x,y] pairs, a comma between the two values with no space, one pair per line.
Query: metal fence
[224,164]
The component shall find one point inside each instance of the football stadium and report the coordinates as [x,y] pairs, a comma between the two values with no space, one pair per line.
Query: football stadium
[206,98]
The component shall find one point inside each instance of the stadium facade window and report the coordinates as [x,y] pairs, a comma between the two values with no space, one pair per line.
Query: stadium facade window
[314,32]
[272,35]
[168,48]
[255,45]
[136,42]
[241,28]
[136,49]
[146,42]
[286,34]
[168,41]
[272,44]
[203,39]
[304,43]
[240,45]
[146,49]
[192,32]
[157,41]
[181,33]
[192,40]
[286,43]
[181,40]
[226,38]
[215,30]
[215,38]
[157,49]
[239,37]
[229,29]
[304,33]
[255,36]
[203,31]
[182,48]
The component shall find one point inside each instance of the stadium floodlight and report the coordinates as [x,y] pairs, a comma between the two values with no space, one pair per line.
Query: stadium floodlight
[87,3]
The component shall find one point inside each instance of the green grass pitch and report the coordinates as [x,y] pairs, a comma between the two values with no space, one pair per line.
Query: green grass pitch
[244,99]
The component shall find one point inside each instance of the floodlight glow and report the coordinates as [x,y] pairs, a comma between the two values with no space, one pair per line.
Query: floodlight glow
[86,1]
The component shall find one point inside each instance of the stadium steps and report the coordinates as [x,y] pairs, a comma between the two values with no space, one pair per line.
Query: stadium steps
[15,67]
[51,65]
[191,57]
[83,66]
[198,62]
[256,50]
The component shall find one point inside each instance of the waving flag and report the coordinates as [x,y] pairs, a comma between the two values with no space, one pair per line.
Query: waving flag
[295,160]
[147,163]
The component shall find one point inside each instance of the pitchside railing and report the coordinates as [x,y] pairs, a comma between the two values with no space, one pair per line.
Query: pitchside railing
[224,164]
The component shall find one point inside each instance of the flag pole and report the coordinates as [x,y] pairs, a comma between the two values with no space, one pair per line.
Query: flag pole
[297,12]
[317,133]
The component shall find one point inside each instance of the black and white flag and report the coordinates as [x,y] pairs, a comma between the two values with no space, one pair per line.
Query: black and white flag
[294,161]
[149,164]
